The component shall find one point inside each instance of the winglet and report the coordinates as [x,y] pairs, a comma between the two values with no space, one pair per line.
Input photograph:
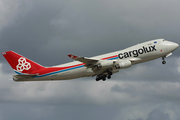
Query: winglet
[73,56]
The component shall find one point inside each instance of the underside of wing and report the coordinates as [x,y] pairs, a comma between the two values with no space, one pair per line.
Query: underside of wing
[135,60]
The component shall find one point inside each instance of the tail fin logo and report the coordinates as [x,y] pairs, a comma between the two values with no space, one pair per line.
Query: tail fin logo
[23,64]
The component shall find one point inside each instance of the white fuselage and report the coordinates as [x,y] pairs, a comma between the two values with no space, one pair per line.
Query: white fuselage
[136,54]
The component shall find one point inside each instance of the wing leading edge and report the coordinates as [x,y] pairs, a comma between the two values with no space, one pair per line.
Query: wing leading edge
[88,62]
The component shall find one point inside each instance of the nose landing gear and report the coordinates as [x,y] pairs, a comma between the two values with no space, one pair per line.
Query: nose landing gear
[163,62]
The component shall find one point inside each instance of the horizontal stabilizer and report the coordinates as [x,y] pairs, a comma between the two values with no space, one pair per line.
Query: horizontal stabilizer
[24,76]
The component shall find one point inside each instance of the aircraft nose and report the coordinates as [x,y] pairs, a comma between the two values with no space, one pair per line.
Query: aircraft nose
[174,45]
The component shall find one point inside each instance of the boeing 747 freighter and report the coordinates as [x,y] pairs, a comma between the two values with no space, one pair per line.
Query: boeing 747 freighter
[102,66]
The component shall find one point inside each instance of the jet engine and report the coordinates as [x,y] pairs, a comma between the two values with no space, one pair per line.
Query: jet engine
[123,64]
[105,64]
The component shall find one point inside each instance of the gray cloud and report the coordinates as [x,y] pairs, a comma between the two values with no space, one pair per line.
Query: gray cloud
[158,115]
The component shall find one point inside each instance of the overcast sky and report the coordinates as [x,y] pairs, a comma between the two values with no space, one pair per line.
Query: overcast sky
[46,31]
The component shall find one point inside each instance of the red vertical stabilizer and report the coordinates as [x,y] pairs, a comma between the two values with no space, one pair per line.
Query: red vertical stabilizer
[21,64]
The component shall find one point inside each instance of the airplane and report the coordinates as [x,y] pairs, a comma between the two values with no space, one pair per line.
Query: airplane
[102,66]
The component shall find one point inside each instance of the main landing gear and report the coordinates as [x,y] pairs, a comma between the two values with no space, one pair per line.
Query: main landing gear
[163,62]
[104,76]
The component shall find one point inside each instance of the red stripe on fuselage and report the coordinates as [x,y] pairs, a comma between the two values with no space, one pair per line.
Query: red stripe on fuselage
[109,57]
[54,69]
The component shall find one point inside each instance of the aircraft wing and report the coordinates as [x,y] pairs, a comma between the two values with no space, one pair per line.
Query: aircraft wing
[103,66]
[85,60]
[135,59]
[89,63]
[168,55]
